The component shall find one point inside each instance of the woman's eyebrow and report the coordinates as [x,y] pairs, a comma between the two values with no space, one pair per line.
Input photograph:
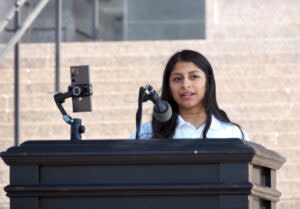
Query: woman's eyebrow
[194,71]
[175,74]
[190,72]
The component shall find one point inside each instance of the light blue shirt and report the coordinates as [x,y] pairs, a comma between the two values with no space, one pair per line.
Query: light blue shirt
[218,129]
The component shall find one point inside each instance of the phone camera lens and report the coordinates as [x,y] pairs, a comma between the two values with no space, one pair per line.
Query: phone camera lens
[76,91]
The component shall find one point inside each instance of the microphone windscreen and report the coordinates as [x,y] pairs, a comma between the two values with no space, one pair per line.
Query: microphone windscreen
[164,116]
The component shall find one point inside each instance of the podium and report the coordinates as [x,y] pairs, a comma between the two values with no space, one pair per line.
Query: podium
[142,174]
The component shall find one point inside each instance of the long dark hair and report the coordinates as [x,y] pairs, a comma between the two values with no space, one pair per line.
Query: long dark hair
[167,129]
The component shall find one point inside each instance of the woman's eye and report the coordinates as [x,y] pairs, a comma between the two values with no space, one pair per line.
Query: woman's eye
[195,76]
[176,79]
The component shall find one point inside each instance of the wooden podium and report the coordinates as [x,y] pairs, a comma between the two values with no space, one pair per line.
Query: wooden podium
[144,174]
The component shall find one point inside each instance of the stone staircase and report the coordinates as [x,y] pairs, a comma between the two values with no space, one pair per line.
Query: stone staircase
[257,85]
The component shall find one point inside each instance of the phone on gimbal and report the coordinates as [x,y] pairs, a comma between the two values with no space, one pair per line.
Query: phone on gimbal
[80,76]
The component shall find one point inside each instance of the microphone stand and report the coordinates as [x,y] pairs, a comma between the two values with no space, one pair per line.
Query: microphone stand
[143,97]
[80,90]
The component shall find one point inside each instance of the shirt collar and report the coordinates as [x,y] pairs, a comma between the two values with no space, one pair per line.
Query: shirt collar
[215,123]
[180,121]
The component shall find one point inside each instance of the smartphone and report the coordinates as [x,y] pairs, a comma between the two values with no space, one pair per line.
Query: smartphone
[80,75]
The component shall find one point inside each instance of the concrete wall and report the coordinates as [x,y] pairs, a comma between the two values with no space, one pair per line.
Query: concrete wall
[120,20]
[235,19]
[167,19]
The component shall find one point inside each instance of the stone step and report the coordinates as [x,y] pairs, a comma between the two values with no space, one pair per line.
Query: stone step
[139,60]
[292,155]
[61,130]
[154,73]
[4,181]
[123,112]
[276,95]
[5,204]
[267,111]
[37,99]
[289,202]
[251,16]
[7,142]
[289,172]
[169,47]
[113,128]
[4,175]
[267,125]
[255,31]
[249,13]
[161,47]
[288,188]
[273,139]
[116,84]
[291,166]
[37,56]
[221,70]
[276,139]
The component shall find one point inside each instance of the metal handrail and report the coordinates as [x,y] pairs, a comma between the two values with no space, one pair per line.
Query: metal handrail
[22,29]
[11,13]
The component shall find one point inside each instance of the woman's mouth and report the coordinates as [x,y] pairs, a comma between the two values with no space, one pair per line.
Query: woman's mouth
[187,95]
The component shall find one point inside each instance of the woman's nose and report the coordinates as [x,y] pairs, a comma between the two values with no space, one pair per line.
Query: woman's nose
[186,83]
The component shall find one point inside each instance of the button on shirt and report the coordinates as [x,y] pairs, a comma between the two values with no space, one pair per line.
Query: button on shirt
[218,129]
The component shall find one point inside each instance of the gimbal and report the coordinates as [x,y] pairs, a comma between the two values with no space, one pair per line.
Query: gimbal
[80,90]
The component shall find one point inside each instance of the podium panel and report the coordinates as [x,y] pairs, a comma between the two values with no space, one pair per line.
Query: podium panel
[168,174]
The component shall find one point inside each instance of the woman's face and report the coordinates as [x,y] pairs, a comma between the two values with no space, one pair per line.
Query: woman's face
[188,85]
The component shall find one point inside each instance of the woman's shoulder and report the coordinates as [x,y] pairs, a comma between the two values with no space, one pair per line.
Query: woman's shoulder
[237,132]
[227,130]
[146,131]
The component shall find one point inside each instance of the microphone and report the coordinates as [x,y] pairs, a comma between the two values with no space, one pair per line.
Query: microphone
[162,109]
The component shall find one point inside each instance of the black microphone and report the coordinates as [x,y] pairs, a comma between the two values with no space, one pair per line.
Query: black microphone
[162,109]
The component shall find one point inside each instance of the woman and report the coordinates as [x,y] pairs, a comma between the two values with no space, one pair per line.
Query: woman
[189,87]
